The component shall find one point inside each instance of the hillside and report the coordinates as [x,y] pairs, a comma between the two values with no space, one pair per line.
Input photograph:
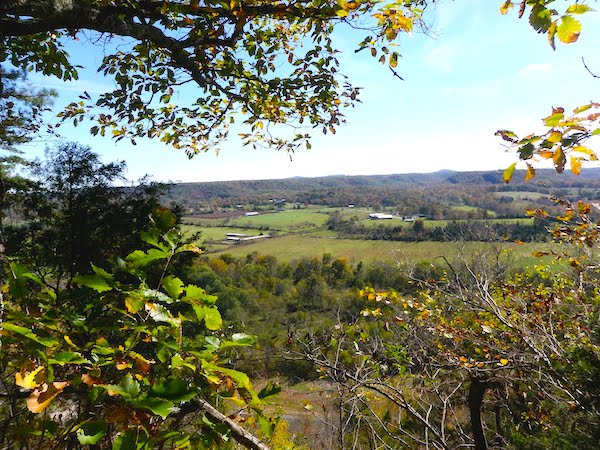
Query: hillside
[384,190]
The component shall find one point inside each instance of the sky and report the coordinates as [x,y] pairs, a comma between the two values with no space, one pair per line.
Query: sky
[475,73]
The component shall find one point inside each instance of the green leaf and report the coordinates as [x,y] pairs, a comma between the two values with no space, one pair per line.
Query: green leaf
[240,378]
[269,390]
[131,440]
[568,29]
[91,433]
[178,361]
[526,151]
[193,292]
[578,8]
[173,389]
[95,282]
[210,315]
[127,388]
[266,426]
[161,314]
[26,332]
[151,237]
[554,119]
[63,358]
[239,340]
[139,258]
[173,286]
[157,295]
[158,406]
[102,273]
[508,173]
[540,18]
[134,302]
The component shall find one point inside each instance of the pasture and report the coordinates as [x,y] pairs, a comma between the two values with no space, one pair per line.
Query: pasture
[302,233]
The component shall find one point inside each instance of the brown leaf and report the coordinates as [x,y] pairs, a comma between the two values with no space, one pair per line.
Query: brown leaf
[43,396]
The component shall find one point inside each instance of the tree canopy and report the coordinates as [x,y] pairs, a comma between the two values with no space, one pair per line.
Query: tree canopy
[272,64]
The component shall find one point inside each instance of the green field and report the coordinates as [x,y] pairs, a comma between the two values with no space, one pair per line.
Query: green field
[303,233]
[298,246]
[521,195]
[289,221]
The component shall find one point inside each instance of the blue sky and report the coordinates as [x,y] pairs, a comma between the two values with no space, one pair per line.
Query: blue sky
[480,72]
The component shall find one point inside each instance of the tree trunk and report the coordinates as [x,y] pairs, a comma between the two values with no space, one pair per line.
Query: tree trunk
[477,390]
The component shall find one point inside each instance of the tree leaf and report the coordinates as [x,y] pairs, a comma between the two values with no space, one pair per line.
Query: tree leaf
[559,159]
[578,8]
[540,18]
[555,118]
[530,173]
[127,388]
[90,433]
[161,314]
[95,282]
[210,315]
[26,332]
[174,389]
[30,380]
[173,286]
[139,258]
[505,7]
[43,396]
[63,358]
[575,165]
[508,173]
[158,406]
[568,29]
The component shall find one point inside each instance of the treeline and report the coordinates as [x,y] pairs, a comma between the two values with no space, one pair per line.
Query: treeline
[279,301]
[480,230]
[434,194]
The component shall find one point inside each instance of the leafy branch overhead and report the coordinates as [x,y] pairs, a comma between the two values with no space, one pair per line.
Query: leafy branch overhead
[270,62]
[565,134]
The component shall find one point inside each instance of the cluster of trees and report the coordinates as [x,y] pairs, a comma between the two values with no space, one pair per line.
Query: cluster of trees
[433,195]
[482,231]
[476,357]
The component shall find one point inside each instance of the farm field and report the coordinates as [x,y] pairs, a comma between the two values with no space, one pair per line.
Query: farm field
[289,220]
[294,247]
[303,233]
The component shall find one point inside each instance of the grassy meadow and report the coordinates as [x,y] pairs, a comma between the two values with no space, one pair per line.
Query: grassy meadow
[303,233]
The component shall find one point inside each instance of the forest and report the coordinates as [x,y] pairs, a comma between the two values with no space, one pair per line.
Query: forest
[134,316]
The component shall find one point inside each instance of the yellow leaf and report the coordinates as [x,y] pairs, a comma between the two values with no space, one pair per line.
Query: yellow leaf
[122,364]
[569,29]
[505,7]
[530,173]
[586,151]
[508,173]
[575,165]
[554,137]
[582,108]
[69,341]
[559,159]
[43,396]
[504,361]
[29,380]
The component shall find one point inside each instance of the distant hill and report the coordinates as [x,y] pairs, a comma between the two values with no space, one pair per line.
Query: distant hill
[321,189]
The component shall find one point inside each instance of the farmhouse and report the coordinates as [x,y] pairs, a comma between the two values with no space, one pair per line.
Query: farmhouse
[380,216]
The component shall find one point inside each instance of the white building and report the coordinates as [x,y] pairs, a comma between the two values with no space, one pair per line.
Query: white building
[380,216]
